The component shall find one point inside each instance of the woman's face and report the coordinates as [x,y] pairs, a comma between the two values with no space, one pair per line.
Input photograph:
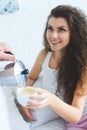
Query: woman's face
[58,33]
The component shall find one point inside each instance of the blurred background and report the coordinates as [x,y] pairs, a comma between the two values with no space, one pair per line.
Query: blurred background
[22,25]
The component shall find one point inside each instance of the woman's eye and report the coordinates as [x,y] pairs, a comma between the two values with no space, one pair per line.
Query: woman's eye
[49,28]
[61,29]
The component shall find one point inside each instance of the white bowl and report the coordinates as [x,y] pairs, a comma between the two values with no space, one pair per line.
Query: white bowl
[23,94]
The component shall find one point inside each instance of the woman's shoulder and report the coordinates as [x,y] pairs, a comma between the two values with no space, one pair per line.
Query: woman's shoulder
[43,53]
[81,88]
[41,56]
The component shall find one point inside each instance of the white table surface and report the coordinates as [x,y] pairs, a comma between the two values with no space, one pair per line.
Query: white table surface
[10,118]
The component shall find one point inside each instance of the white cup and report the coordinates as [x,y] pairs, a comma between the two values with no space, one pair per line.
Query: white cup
[23,94]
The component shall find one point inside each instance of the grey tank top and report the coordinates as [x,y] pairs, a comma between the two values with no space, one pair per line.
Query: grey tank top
[48,82]
[49,75]
[49,79]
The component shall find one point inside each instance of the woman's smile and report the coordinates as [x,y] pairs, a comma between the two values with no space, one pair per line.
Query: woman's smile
[55,44]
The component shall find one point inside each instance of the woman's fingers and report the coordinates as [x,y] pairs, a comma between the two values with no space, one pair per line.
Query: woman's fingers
[40,102]
[42,99]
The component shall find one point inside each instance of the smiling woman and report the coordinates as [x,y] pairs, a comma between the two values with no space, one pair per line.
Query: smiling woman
[8,6]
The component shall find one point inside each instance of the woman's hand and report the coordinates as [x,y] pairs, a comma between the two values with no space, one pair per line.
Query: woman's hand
[44,98]
[26,113]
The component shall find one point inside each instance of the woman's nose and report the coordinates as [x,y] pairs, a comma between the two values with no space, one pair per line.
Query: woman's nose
[55,34]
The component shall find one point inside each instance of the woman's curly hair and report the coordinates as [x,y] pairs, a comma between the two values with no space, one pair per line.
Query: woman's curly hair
[74,63]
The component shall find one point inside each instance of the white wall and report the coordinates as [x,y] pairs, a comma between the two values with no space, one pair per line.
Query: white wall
[23,30]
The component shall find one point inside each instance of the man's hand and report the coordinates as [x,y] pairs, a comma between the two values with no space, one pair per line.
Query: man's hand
[6,53]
